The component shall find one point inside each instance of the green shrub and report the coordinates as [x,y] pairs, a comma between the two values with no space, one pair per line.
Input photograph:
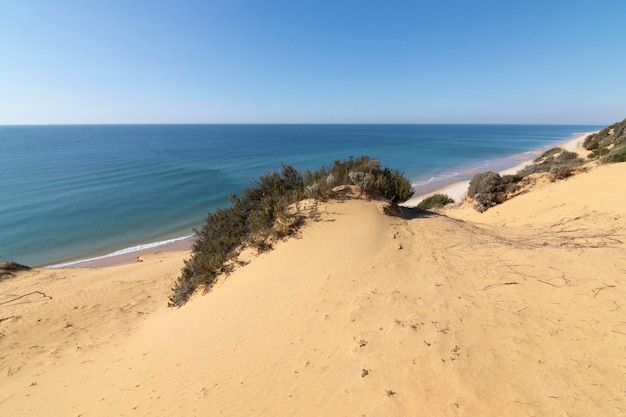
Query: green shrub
[510,183]
[392,185]
[263,214]
[591,142]
[598,152]
[554,156]
[561,172]
[486,189]
[566,156]
[614,156]
[249,220]
[435,201]
[549,153]
[489,189]
[367,175]
[555,160]
[528,170]
[606,141]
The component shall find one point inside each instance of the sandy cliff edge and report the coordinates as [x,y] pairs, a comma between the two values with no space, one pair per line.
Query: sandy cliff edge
[518,311]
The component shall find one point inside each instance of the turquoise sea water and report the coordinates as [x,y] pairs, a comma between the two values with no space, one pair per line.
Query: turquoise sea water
[69,192]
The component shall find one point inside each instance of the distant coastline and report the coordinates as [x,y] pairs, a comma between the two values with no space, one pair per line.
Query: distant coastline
[455,186]
[82,192]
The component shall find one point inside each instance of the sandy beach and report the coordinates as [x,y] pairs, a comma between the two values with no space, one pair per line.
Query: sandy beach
[457,190]
[217,209]
[517,311]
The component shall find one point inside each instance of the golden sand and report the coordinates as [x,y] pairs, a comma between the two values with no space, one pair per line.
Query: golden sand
[519,311]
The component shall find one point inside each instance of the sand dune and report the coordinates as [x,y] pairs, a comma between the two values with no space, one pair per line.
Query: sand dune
[519,311]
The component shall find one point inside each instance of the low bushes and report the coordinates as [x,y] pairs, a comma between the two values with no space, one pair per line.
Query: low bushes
[435,201]
[264,212]
[490,189]
[553,160]
[615,155]
[609,144]
[598,152]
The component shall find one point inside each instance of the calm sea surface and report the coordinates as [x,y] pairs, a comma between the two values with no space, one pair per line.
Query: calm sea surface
[69,192]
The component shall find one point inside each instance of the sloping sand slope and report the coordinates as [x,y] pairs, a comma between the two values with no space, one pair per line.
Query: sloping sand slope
[520,311]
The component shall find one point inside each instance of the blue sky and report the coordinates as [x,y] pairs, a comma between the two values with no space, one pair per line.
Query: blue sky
[327,61]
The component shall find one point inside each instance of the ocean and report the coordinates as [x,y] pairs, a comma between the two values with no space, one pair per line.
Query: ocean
[81,191]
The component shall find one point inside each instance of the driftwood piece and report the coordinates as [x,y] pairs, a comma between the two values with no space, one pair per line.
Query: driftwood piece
[25,295]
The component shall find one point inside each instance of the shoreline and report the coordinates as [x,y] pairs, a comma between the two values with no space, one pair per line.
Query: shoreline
[128,255]
[346,319]
[457,189]
[451,186]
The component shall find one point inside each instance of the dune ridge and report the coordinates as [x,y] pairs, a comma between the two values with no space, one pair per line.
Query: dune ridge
[517,311]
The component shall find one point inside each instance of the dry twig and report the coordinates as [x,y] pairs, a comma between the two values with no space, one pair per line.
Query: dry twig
[24,295]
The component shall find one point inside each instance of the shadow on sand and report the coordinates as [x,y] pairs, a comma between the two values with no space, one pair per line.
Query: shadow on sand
[408,213]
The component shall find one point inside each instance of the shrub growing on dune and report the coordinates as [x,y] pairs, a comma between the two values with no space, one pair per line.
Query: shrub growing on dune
[558,162]
[592,142]
[547,154]
[615,155]
[435,201]
[607,141]
[392,185]
[598,152]
[556,157]
[489,189]
[264,212]
[561,172]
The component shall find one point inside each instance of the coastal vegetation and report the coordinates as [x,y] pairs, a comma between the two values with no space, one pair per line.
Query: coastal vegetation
[489,188]
[270,210]
[558,162]
[608,146]
[435,201]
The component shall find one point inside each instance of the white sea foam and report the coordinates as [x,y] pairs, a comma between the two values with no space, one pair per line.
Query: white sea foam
[418,183]
[436,178]
[124,251]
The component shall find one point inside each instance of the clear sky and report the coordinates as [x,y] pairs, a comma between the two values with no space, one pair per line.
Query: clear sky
[324,61]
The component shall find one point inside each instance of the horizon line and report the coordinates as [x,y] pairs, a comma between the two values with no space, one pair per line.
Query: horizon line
[295,124]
